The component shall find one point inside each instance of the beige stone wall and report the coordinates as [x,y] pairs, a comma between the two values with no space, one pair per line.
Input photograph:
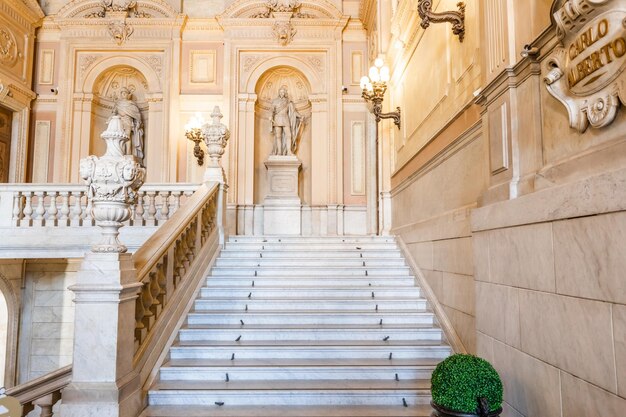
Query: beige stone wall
[47,317]
[519,232]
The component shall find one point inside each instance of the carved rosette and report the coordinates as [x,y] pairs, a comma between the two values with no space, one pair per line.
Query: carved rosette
[586,71]
[113,182]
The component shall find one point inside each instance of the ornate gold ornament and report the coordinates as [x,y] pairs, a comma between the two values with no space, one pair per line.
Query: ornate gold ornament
[8,47]
[586,71]
[374,88]
[425,7]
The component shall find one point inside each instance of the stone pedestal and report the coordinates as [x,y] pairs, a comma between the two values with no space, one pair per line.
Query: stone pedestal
[282,205]
[103,380]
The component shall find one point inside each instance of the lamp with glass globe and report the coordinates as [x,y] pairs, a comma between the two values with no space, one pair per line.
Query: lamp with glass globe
[374,87]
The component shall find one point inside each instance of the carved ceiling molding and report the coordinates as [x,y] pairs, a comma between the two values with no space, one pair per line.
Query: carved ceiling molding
[27,12]
[79,9]
[247,9]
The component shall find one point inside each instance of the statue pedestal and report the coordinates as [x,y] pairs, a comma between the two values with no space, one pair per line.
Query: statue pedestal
[282,205]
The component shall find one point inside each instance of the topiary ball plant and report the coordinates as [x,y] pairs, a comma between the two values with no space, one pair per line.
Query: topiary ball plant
[462,383]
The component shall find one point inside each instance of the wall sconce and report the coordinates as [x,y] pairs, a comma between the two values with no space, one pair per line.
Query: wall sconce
[374,88]
[193,132]
[424,8]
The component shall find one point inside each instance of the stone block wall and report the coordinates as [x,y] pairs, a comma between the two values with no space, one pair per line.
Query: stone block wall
[551,298]
[47,317]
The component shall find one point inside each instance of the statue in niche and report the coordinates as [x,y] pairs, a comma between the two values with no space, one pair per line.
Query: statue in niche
[128,110]
[287,124]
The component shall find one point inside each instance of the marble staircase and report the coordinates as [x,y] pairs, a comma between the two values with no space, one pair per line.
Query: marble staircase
[303,326]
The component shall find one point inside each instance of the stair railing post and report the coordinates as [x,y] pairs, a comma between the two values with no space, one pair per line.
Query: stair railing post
[103,381]
[215,136]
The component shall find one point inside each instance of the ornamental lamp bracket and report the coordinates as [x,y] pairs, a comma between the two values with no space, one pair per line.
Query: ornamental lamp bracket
[425,7]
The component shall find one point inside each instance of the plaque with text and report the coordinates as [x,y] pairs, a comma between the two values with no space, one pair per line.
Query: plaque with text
[586,71]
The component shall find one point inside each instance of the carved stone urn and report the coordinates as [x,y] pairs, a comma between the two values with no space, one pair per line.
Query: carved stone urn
[113,180]
[216,135]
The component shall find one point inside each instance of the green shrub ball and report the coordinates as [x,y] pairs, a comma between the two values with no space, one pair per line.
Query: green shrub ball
[460,380]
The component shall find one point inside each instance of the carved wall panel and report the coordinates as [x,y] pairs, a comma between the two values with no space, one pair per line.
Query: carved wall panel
[46,67]
[203,67]
[5,143]
[357,137]
[499,137]
[41,151]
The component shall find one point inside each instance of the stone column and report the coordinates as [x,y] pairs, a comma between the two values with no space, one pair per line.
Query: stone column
[103,380]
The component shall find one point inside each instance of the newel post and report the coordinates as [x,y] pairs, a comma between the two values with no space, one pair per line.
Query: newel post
[216,135]
[103,380]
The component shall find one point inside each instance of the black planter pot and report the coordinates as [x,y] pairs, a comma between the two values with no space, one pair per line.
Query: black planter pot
[440,411]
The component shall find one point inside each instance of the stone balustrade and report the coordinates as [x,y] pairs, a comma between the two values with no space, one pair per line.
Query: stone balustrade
[43,392]
[60,205]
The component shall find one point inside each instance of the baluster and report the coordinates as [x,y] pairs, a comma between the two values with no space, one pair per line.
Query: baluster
[131,219]
[77,210]
[151,220]
[40,219]
[28,209]
[179,264]
[155,290]
[162,279]
[176,206]
[165,205]
[139,210]
[46,403]
[17,208]
[53,211]
[88,220]
[140,329]
[65,208]
[146,298]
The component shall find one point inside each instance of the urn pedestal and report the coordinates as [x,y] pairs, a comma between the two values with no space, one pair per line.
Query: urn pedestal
[282,205]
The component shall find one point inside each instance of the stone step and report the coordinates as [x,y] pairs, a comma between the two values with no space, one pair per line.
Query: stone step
[257,262]
[248,333]
[318,254]
[310,281]
[253,304]
[179,372]
[419,410]
[310,271]
[338,350]
[365,292]
[291,392]
[321,239]
[313,246]
[232,317]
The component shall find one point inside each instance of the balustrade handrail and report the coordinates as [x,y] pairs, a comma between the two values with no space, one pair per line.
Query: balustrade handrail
[49,384]
[155,247]
[27,186]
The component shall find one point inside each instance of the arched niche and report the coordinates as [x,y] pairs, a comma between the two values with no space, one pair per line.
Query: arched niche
[106,92]
[266,90]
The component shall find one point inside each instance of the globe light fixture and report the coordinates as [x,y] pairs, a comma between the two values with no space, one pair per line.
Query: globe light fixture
[374,87]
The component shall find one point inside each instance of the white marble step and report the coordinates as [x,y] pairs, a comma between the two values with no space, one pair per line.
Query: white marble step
[233,317]
[228,253]
[249,333]
[173,372]
[310,271]
[291,392]
[324,246]
[257,262]
[310,281]
[364,292]
[288,239]
[254,304]
[419,410]
[327,350]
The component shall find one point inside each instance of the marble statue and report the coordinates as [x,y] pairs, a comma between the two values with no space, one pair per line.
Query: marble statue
[286,124]
[130,114]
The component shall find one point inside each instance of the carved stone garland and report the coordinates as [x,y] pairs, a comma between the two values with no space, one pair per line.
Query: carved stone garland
[113,182]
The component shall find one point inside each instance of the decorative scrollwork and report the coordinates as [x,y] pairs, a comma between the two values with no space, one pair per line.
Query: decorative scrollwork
[424,8]
[8,47]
